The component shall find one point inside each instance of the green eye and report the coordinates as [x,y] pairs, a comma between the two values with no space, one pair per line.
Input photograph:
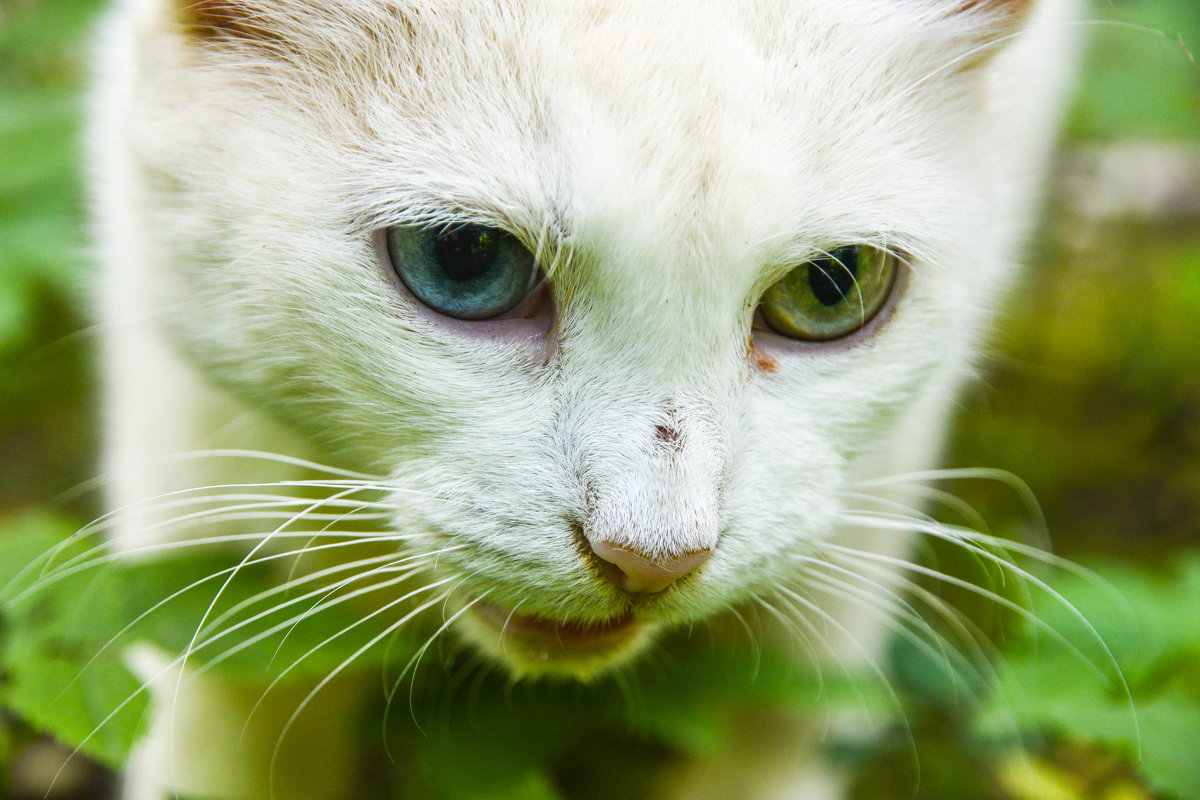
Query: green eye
[830,297]
[468,272]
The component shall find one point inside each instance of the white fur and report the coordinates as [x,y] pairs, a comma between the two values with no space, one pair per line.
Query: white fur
[668,161]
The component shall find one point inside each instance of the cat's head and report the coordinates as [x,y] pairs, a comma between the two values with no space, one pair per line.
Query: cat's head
[621,297]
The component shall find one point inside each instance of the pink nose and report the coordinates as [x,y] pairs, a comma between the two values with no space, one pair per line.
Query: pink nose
[637,572]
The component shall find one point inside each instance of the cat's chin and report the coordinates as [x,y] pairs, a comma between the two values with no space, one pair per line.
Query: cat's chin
[531,646]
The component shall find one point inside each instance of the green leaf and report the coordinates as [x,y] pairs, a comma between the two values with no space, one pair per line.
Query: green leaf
[49,635]
[1148,624]
[53,694]
[70,611]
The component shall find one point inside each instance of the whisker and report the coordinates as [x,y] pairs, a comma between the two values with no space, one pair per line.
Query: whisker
[989,563]
[264,455]
[342,666]
[1020,488]
[351,537]
[974,520]
[415,661]
[800,604]
[755,644]
[1004,602]
[421,561]
[224,490]
[898,617]
[291,623]
[962,536]
[179,593]
[221,514]
[216,598]
[981,650]
[294,582]
[867,659]
[98,481]
[800,628]
[504,627]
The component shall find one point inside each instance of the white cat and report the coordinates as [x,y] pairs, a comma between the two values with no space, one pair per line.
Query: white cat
[622,303]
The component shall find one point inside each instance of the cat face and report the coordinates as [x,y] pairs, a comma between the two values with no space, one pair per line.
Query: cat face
[664,165]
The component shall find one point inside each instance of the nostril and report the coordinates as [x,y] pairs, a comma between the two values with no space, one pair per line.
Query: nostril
[637,572]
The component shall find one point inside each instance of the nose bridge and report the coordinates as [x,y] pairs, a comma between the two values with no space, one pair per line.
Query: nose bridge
[668,314]
[654,481]
[645,421]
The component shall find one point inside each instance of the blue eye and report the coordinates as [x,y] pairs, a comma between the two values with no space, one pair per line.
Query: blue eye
[468,272]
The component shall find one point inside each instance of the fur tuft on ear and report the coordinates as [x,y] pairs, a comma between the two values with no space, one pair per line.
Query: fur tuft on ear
[1002,14]
[994,22]
[1018,7]
[210,19]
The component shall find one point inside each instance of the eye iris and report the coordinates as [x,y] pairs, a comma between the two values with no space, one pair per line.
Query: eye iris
[832,296]
[470,272]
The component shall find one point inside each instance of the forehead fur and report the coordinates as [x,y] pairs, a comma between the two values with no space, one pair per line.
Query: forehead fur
[477,113]
[250,18]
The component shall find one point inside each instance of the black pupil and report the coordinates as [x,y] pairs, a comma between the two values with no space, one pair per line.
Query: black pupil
[466,253]
[832,279]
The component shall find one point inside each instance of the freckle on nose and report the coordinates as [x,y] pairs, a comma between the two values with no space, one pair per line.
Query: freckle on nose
[667,435]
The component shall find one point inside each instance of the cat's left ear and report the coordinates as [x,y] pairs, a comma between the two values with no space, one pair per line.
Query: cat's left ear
[1012,10]
[991,23]
[1010,6]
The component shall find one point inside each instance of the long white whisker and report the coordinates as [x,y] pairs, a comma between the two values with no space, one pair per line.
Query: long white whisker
[179,593]
[221,490]
[352,537]
[404,566]
[974,519]
[1019,487]
[291,623]
[393,560]
[415,661]
[898,617]
[867,658]
[263,455]
[1000,600]
[962,536]
[216,598]
[981,650]
[345,663]
[802,628]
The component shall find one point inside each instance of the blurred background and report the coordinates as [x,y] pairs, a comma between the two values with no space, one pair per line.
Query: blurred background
[1091,395]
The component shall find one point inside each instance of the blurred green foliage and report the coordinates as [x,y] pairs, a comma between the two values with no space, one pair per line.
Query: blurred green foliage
[41,197]
[1095,402]
[1139,77]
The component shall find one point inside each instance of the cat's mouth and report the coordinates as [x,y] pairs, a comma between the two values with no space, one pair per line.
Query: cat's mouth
[535,645]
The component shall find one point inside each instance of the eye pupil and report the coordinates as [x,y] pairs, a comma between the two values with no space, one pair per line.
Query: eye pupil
[466,253]
[832,279]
